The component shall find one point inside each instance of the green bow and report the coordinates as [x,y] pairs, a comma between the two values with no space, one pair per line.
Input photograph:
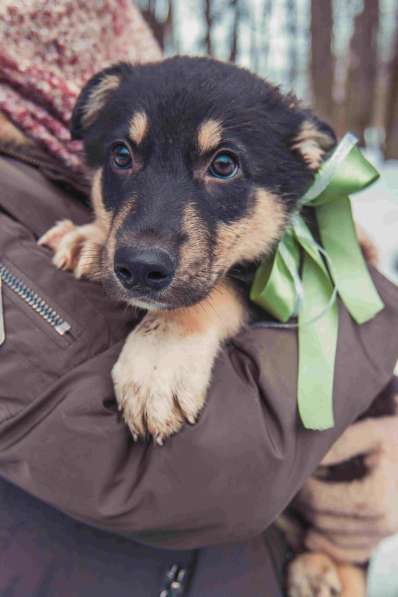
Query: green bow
[336,267]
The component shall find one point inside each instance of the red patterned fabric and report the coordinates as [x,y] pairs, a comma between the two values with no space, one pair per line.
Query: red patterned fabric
[48,50]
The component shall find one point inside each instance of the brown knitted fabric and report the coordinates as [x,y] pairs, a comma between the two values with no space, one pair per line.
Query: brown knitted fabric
[48,50]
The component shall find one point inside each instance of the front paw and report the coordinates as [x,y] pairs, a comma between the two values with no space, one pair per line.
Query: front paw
[313,575]
[161,379]
[76,248]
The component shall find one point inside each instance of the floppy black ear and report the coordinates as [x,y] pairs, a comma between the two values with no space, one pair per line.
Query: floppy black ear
[94,96]
[313,140]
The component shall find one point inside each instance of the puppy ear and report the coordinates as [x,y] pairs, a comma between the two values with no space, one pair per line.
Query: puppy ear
[94,96]
[313,140]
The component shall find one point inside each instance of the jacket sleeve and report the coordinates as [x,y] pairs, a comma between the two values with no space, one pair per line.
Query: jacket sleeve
[225,478]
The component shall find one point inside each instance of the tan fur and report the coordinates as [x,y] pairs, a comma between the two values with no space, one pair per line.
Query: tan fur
[78,248]
[116,225]
[312,144]
[317,575]
[313,575]
[103,217]
[353,581]
[98,98]
[209,135]
[221,310]
[9,133]
[194,250]
[138,128]
[157,396]
[253,235]
[163,372]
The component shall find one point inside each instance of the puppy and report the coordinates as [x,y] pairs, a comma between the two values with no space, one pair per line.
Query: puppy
[197,168]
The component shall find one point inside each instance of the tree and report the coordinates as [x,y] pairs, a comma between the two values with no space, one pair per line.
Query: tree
[209,21]
[391,117]
[233,53]
[162,26]
[322,65]
[362,70]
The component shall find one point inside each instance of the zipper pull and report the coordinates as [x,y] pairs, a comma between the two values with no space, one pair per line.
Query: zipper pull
[175,582]
[2,327]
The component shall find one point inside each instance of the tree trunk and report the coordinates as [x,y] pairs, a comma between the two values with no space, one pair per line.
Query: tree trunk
[362,70]
[208,14]
[322,60]
[233,53]
[161,29]
[391,120]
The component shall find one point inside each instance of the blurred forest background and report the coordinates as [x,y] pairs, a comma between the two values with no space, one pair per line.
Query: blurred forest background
[341,56]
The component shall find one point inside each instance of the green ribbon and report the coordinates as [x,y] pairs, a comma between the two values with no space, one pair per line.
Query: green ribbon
[303,278]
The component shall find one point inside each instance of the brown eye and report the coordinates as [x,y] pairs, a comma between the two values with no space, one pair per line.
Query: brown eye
[121,157]
[225,165]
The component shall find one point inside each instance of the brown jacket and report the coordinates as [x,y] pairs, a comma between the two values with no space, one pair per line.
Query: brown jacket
[222,481]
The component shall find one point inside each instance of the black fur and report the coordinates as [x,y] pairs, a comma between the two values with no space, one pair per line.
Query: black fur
[178,94]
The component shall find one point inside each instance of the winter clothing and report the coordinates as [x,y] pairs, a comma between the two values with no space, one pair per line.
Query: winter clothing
[221,481]
[350,505]
[50,50]
[85,510]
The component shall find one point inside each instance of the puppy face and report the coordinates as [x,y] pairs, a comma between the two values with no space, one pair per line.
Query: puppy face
[198,165]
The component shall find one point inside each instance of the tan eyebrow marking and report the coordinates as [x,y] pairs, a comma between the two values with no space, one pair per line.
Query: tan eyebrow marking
[312,144]
[138,127]
[209,135]
[98,98]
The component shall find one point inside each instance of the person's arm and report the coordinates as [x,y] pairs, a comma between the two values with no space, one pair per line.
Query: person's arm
[347,519]
[223,479]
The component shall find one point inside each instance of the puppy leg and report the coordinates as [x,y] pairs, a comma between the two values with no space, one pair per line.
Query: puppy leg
[353,580]
[163,372]
[313,575]
[316,575]
[76,248]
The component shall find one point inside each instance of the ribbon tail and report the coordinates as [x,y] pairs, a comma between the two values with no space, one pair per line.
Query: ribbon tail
[346,262]
[276,284]
[317,338]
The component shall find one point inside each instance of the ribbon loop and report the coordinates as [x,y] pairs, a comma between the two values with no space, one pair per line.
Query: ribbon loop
[279,289]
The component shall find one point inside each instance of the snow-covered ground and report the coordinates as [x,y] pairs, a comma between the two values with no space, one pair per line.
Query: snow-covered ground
[376,209]
[383,576]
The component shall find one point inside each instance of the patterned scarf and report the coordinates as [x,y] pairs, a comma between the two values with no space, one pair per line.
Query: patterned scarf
[48,50]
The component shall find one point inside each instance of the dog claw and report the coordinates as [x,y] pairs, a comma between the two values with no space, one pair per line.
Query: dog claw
[159,440]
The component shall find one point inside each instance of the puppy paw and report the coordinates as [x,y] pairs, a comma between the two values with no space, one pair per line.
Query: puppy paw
[76,248]
[161,378]
[313,575]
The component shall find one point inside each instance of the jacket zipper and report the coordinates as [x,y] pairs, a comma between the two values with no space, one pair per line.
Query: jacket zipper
[35,302]
[175,582]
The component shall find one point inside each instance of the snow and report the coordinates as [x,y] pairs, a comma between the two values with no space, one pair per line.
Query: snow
[376,210]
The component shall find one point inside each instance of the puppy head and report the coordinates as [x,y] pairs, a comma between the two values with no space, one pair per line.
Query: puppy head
[197,166]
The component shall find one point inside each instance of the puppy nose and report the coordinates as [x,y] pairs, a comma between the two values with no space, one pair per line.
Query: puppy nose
[148,268]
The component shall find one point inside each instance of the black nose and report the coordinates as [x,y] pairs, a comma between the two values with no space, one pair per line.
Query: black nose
[147,268]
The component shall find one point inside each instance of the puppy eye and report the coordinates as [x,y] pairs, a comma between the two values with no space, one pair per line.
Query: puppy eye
[225,165]
[121,156]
